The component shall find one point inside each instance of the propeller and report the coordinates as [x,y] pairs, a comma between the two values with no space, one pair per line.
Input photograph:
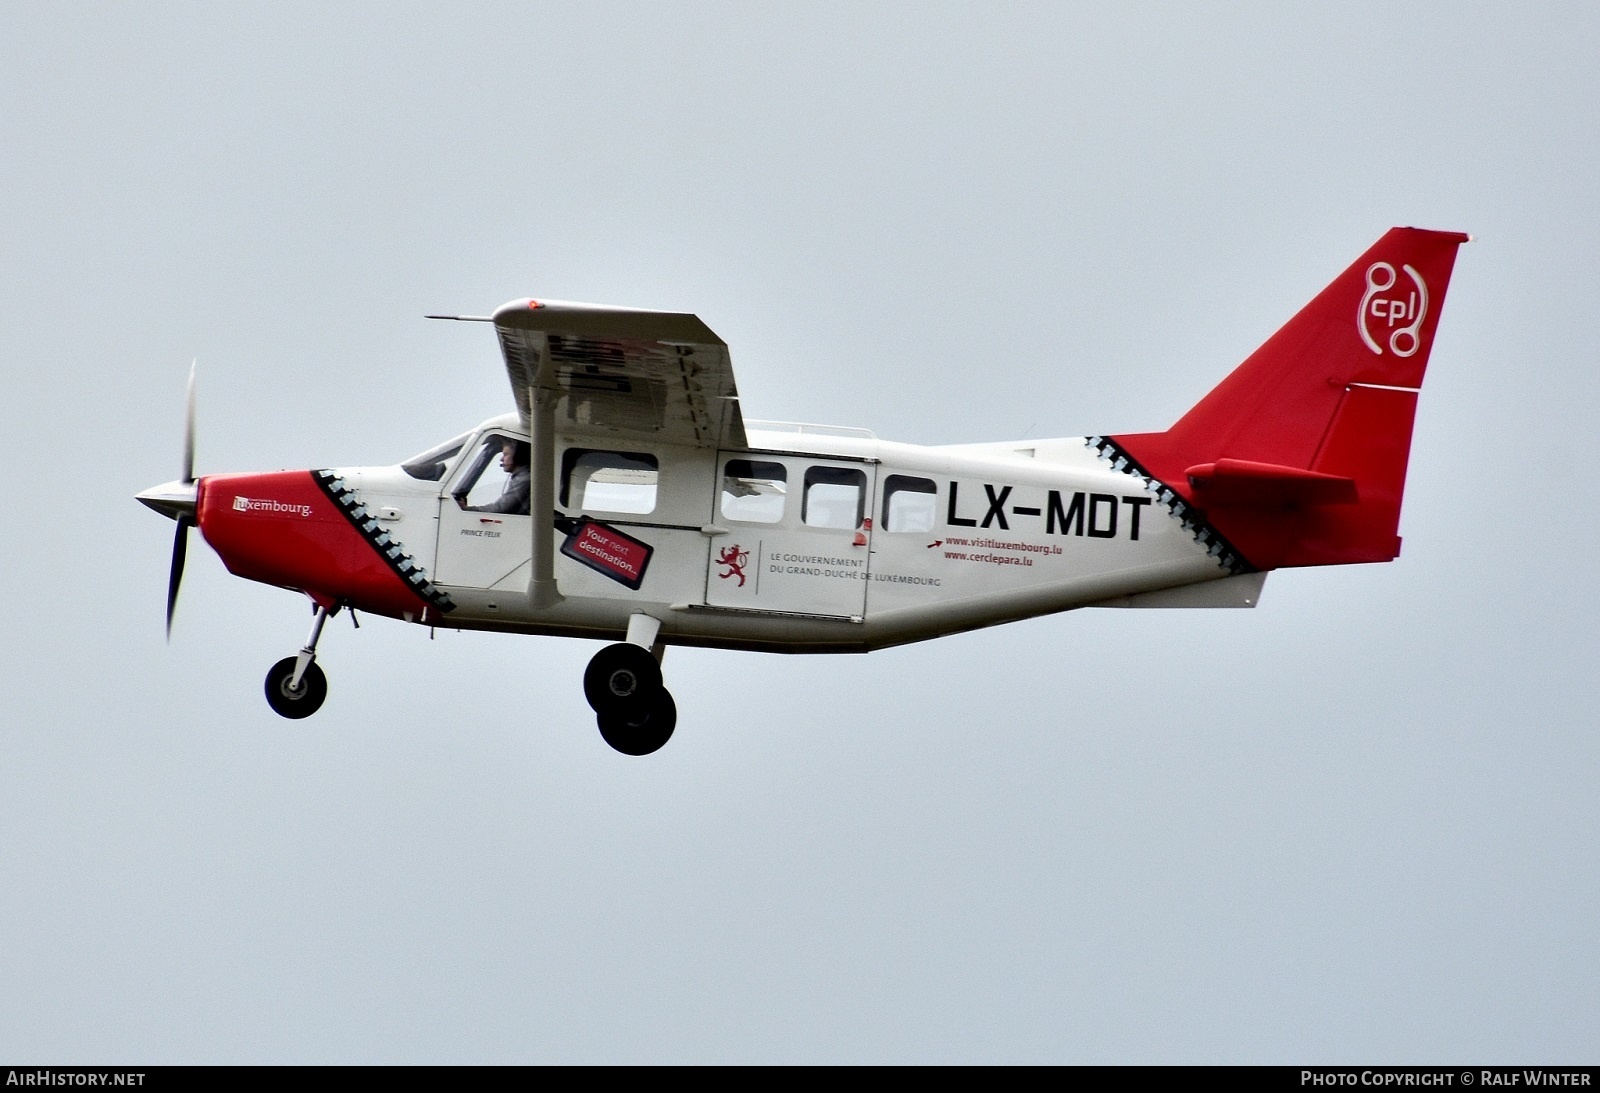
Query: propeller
[188,426]
[185,519]
[180,549]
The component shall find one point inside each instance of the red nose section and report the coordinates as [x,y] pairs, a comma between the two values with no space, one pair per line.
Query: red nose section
[303,530]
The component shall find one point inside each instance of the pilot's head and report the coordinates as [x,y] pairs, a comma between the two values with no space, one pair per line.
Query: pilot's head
[513,454]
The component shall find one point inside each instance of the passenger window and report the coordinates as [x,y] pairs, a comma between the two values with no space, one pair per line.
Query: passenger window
[609,481]
[834,498]
[754,492]
[909,504]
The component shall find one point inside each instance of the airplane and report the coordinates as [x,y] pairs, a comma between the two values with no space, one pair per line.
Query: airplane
[628,499]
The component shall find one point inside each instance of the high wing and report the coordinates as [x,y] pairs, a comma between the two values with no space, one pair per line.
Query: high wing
[626,373]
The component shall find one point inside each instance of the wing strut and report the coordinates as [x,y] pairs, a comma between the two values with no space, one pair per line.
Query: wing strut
[542,591]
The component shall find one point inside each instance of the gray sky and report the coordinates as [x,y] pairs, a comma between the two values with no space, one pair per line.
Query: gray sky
[1355,824]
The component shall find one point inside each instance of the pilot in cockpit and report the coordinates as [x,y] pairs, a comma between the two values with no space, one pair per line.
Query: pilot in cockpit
[513,499]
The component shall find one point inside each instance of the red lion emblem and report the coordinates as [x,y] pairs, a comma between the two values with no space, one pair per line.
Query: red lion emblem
[735,560]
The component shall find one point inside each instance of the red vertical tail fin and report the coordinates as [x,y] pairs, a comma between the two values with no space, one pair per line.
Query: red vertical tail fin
[1299,456]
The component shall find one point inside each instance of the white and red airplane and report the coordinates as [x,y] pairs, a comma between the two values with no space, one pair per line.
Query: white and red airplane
[627,499]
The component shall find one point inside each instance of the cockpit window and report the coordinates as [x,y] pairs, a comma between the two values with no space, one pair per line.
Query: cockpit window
[431,464]
[497,480]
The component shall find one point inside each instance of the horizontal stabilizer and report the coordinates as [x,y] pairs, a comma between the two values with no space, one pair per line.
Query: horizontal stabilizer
[1271,485]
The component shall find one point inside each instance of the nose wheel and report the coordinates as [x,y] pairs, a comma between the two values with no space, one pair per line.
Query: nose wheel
[295,701]
[295,686]
[636,714]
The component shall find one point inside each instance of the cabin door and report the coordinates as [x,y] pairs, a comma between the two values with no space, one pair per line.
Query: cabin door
[796,534]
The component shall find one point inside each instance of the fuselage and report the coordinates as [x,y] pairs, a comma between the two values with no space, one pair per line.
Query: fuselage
[809,540]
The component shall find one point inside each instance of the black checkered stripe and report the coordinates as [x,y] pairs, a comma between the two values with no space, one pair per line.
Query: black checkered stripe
[387,546]
[1217,546]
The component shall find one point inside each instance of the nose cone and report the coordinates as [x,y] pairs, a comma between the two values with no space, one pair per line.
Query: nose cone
[174,500]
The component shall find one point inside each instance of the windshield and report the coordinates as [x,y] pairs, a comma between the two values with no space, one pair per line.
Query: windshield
[431,464]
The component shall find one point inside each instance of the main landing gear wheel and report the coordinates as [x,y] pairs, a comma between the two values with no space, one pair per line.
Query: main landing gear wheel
[302,701]
[645,728]
[635,712]
[621,678]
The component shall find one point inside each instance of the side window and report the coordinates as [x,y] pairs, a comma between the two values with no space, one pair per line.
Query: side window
[496,478]
[609,481]
[753,491]
[835,498]
[909,504]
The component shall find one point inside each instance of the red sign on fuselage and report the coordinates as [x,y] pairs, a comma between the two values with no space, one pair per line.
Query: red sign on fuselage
[606,550]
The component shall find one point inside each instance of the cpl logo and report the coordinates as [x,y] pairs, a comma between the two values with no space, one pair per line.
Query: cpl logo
[1381,303]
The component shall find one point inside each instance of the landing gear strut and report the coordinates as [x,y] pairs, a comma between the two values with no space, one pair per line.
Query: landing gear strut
[295,686]
[636,714]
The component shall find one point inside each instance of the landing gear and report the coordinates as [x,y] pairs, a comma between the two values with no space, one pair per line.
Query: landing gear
[643,729]
[291,701]
[635,712]
[621,677]
[295,686]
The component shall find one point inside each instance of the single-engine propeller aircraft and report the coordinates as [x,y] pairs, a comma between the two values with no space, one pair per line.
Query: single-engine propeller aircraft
[628,499]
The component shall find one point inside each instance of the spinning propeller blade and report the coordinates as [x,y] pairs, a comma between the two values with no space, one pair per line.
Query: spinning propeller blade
[188,426]
[180,548]
[180,541]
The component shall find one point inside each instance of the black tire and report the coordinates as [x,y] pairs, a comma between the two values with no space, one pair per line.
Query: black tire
[621,678]
[296,704]
[645,729]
